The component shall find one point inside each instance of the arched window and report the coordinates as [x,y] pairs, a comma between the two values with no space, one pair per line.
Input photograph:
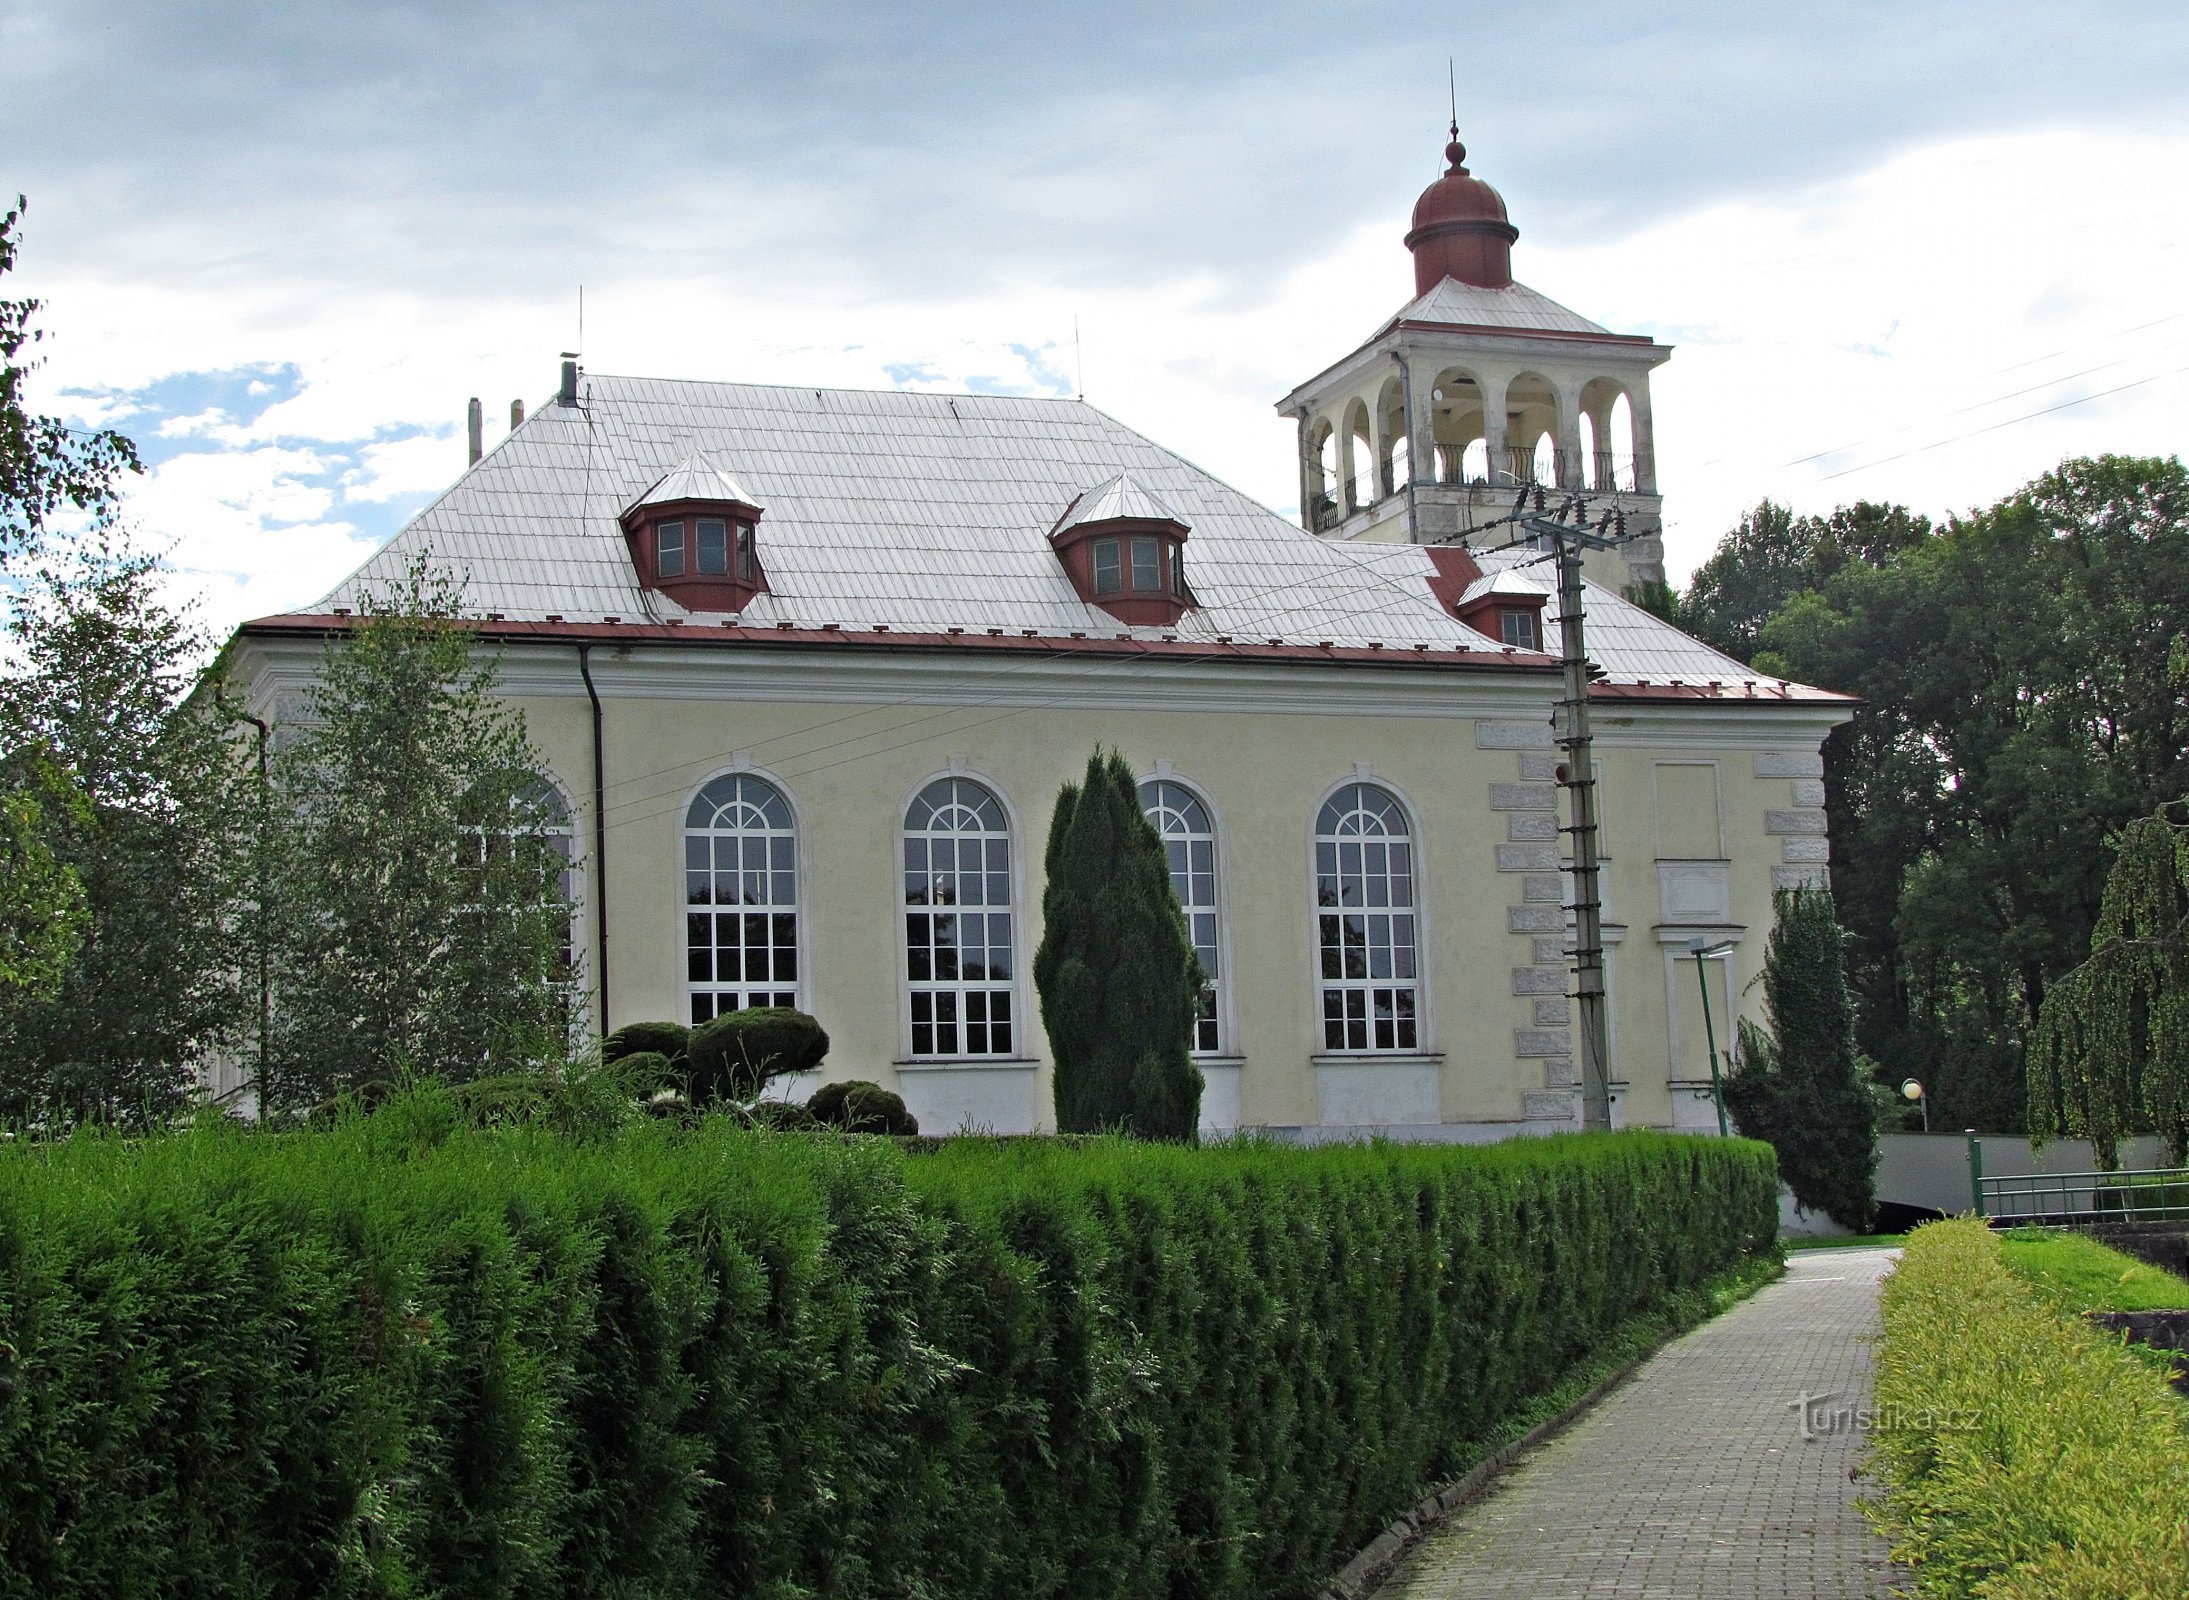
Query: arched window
[741,897]
[562,839]
[1364,914]
[1190,842]
[535,810]
[957,922]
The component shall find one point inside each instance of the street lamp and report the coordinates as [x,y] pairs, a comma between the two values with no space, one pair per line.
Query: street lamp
[1913,1090]
[1711,952]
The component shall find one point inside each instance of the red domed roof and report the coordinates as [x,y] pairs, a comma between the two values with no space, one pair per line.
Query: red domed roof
[1460,230]
[1458,196]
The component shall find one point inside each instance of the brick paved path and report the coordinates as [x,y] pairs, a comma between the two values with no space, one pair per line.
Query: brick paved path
[1692,1480]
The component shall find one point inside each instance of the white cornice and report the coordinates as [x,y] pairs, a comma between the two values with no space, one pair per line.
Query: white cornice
[269,666]
[1719,725]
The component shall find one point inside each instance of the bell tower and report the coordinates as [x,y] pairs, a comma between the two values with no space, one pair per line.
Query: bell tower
[1477,387]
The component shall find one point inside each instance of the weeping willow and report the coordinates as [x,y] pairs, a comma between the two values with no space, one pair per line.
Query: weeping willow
[2111,1051]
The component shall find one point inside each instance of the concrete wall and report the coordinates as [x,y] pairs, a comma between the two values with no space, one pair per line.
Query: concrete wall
[1932,1169]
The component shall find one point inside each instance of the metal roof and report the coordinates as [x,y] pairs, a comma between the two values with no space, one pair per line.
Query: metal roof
[887,509]
[907,514]
[1632,647]
[1516,306]
[1120,496]
[694,478]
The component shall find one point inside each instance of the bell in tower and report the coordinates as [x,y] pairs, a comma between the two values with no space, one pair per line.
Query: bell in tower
[1477,387]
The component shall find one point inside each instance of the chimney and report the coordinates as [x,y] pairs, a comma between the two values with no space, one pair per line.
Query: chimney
[476,422]
[516,415]
[569,395]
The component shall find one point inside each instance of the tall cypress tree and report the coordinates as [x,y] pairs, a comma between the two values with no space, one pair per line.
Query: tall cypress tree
[1119,982]
[1802,1087]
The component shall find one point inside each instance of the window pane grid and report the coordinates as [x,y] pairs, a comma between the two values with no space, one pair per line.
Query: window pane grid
[1365,923]
[1189,841]
[741,898]
[958,921]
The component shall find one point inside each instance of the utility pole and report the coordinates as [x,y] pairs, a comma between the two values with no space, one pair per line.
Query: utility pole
[1577,776]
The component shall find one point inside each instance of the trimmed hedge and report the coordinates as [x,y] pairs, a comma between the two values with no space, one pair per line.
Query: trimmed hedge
[2026,1454]
[411,1356]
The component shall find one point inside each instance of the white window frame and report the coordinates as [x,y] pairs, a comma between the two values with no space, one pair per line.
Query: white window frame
[1217,1012]
[1416,985]
[772,991]
[960,990]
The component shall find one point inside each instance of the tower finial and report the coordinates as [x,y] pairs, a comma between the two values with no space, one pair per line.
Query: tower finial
[1455,152]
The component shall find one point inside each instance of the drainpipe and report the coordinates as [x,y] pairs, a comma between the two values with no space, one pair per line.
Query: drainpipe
[600,837]
[265,981]
[1413,467]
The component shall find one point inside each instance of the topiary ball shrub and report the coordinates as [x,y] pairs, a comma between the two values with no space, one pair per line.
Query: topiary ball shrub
[783,1116]
[666,1039]
[861,1107]
[648,1070]
[730,1059]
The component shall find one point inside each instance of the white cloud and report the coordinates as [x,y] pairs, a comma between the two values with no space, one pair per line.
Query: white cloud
[1833,342]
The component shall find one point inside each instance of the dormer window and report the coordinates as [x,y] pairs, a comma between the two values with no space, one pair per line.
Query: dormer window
[713,543]
[1124,550]
[1147,567]
[693,537]
[1517,628]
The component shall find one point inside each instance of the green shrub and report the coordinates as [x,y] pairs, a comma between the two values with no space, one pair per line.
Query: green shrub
[649,1070]
[784,1116]
[635,1038]
[412,1356]
[731,1058]
[857,1106]
[2026,1455]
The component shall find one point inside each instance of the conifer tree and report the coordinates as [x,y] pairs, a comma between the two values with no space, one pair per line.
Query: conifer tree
[1801,1085]
[1120,984]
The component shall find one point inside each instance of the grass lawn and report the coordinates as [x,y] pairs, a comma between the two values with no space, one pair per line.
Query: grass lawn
[2087,1276]
[1852,1241]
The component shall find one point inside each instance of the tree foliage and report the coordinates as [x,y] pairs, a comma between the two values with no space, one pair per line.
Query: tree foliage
[1120,983]
[2016,715]
[42,908]
[2111,1054]
[1800,1083]
[415,895]
[46,467]
[159,840]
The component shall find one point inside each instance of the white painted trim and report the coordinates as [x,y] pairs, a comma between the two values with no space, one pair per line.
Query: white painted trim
[1022,955]
[1708,727]
[1425,986]
[1227,1022]
[901,676]
[740,765]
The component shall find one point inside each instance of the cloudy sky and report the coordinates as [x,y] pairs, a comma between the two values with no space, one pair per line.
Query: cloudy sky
[1914,251]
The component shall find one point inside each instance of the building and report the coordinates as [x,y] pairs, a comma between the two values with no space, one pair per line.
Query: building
[810,666]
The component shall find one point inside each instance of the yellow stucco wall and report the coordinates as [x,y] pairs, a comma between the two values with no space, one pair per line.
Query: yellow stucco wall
[1705,811]
[849,770]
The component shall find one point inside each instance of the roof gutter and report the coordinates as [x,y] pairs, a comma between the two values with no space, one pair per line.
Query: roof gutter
[600,834]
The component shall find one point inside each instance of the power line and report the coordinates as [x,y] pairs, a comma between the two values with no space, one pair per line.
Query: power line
[1994,427]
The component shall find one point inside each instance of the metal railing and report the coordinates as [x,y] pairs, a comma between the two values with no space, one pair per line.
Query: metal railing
[1604,474]
[2085,1199]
